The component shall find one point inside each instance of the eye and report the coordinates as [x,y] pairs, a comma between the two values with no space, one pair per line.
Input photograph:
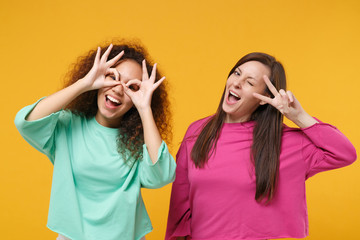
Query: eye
[237,73]
[112,77]
[134,87]
[250,83]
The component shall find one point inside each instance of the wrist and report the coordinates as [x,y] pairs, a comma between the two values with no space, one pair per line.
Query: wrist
[304,120]
[144,111]
[82,86]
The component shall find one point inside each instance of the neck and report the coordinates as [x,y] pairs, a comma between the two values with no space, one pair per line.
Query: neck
[232,119]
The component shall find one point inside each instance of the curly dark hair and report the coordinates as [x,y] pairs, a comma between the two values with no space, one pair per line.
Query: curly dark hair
[130,138]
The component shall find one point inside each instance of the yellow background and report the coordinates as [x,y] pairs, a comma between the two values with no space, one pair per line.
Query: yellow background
[195,43]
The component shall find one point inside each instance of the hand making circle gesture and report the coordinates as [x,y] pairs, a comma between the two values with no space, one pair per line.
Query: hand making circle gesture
[141,91]
[95,78]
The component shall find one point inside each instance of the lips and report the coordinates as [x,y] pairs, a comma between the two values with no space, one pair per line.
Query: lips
[233,97]
[112,102]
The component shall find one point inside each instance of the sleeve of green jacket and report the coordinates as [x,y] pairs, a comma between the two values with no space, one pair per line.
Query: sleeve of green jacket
[160,173]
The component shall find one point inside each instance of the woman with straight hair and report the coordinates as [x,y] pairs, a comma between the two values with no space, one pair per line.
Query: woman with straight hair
[103,133]
[241,172]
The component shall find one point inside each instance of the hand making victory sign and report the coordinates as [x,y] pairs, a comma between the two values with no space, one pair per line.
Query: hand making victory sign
[287,104]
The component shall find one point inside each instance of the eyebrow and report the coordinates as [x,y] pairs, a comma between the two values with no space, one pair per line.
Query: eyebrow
[238,68]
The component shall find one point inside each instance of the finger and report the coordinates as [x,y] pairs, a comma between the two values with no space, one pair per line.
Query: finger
[282,92]
[263,98]
[157,84]
[97,56]
[133,82]
[291,96]
[115,59]
[283,95]
[114,72]
[111,83]
[127,90]
[145,75]
[284,99]
[106,53]
[270,85]
[153,72]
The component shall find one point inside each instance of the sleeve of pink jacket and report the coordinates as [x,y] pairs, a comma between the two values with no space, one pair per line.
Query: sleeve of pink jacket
[178,224]
[326,148]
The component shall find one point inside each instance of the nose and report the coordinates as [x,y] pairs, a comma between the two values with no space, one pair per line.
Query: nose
[118,89]
[238,83]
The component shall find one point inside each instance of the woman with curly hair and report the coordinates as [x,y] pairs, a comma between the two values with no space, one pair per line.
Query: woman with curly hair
[103,132]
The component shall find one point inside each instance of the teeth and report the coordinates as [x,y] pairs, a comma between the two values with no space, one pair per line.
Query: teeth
[113,99]
[234,94]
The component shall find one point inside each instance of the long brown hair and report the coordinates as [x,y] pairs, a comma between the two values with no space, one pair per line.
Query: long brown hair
[130,138]
[265,150]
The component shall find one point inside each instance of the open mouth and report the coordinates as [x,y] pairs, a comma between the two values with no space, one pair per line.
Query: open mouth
[233,97]
[112,101]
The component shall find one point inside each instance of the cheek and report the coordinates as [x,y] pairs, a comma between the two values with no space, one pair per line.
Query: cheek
[259,90]
[229,81]
[100,94]
[128,101]
[250,97]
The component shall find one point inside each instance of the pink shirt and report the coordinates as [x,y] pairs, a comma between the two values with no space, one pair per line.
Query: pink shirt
[218,201]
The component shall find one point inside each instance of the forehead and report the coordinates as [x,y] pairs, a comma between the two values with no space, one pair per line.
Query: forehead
[255,69]
[129,67]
